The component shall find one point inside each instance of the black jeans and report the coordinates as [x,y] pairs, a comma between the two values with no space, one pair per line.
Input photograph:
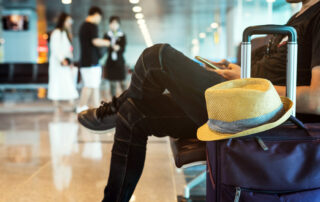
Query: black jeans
[147,111]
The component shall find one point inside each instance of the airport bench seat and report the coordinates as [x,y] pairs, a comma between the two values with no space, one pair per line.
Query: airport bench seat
[23,76]
[4,73]
[187,153]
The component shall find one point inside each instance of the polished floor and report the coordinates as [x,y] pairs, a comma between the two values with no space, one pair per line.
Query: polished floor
[47,156]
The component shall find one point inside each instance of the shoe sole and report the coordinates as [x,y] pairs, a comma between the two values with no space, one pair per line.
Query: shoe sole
[98,132]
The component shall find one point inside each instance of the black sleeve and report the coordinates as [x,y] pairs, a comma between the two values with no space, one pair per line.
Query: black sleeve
[315,59]
[94,32]
[106,36]
[122,43]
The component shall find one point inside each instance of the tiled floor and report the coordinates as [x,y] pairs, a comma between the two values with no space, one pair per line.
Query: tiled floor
[48,157]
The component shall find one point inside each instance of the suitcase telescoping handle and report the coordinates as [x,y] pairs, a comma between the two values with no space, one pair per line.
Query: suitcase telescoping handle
[291,55]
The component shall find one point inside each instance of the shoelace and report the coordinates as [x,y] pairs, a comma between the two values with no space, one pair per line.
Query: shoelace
[107,108]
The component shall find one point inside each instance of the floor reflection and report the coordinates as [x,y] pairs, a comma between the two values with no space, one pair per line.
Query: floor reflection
[92,150]
[63,143]
[50,157]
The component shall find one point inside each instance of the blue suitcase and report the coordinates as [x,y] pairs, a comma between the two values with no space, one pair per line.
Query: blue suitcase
[278,165]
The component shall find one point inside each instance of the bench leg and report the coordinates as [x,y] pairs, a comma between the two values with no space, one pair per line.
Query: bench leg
[194,182]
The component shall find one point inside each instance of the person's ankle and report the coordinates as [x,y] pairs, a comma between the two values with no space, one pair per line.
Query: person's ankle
[80,108]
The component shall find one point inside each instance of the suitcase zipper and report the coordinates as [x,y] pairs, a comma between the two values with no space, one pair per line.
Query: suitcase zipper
[262,144]
[217,173]
[237,195]
[283,138]
[239,189]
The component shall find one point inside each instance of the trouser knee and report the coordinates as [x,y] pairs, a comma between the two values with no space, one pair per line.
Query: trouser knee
[152,57]
[148,77]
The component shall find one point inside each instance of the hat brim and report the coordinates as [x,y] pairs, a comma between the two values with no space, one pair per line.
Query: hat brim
[204,133]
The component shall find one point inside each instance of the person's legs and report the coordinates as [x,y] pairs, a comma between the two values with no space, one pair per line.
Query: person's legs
[158,68]
[72,104]
[91,77]
[137,119]
[123,85]
[95,97]
[85,96]
[113,88]
[86,91]
[104,88]
[162,67]
[55,103]
[57,106]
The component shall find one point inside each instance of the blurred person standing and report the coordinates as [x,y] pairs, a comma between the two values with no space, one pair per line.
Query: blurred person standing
[115,70]
[90,69]
[62,74]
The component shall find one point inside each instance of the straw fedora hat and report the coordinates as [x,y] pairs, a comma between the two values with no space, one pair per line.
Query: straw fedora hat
[243,107]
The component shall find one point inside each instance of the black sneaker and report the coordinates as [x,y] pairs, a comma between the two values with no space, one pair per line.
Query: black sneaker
[100,120]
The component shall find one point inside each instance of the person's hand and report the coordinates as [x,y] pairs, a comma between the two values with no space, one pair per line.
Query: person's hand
[108,43]
[223,64]
[116,48]
[232,72]
[65,62]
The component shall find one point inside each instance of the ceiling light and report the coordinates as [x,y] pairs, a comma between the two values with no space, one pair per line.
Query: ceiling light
[145,32]
[139,16]
[202,35]
[66,1]
[134,1]
[141,21]
[143,26]
[195,41]
[270,1]
[146,35]
[136,9]
[214,25]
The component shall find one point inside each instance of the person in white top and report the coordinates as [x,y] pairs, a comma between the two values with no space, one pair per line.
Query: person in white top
[62,73]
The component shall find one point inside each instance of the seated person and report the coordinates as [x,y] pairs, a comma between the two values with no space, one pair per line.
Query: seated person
[144,110]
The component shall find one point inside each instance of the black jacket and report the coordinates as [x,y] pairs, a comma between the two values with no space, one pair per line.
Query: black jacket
[115,69]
